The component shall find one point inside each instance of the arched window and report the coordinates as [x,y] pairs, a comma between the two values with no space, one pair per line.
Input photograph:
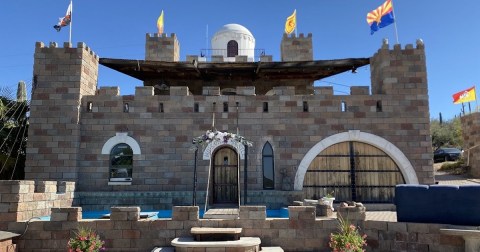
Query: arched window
[232,48]
[268,167]
[121,163]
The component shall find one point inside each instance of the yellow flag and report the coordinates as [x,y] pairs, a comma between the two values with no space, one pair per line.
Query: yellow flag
[291,23]
[160,23]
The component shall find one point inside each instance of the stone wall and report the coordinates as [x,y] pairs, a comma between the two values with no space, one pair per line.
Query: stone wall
[159,200]
[166,162]
[21,200]
[471,141]
[300,232]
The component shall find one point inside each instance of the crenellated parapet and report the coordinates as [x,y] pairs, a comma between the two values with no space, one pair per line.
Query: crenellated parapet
[399,70]
[295,48]
[24,199]
[360,101]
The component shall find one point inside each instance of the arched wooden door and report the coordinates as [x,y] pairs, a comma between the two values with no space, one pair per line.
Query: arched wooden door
[225,176]
[353,171]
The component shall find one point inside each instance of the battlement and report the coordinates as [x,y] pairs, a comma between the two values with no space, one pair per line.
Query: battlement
[180,100]
[294,37]
[24,199]
[40,46]
[160,35]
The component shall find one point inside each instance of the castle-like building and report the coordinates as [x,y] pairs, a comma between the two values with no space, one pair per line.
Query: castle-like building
[307,141]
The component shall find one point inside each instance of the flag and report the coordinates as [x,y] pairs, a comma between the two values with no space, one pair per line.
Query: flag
[64,21]
[464,96]
[291,23]
[160,23]
[381,17]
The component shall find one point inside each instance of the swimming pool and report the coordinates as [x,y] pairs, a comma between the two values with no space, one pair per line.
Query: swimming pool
[165,214]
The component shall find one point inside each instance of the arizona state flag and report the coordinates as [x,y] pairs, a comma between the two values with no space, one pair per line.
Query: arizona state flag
[160,23]
[291,23]
[64,21]
[464,96]
[381,17]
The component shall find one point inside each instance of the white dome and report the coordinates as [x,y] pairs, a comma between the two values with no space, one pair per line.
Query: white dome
[234,28]
[239,38]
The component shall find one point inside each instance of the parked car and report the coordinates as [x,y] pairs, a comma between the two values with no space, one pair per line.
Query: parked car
[446,154]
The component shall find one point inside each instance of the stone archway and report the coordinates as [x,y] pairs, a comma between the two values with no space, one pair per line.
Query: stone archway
[396,154]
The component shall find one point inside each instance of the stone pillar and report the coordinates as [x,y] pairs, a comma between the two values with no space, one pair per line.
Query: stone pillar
[61,76]
[253,212]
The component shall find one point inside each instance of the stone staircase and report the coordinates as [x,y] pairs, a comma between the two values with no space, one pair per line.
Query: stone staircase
[208,239]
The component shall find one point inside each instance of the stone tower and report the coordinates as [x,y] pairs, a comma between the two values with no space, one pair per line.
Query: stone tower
[296,48]
[61,77]
[400,76]
[159,47]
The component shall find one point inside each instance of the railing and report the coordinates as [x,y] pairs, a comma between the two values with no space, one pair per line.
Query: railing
[208,53]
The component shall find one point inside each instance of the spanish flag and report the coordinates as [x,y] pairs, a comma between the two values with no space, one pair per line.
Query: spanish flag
[464,96]
[160,23]
[291,23]
[381,16]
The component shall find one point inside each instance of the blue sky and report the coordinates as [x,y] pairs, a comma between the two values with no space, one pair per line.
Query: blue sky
[117,28]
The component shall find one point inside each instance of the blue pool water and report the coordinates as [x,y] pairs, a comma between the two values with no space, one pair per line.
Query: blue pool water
[165,214]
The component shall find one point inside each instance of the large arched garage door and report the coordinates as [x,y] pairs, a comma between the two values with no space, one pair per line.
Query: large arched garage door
[404,165]
[352,171]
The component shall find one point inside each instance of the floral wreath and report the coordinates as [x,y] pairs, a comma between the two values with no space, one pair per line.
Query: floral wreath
[219,136]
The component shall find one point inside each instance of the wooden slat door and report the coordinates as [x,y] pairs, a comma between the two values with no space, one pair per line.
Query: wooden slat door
[352,171]
[225,176]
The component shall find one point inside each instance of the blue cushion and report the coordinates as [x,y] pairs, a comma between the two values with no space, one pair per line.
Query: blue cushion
[444,204]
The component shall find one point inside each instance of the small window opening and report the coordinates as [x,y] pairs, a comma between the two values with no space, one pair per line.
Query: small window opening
[89,106]
[160,107]
[225,160]
[195,107]
[379,106]
[126,108]
[305,106]
[265,107]
[225,107]
[343,106]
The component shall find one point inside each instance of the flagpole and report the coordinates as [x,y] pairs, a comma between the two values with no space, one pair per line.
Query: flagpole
[476,100]
[71,22]
[395,23]
[296,24]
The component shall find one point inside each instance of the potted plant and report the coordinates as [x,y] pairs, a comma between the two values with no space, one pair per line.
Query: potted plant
[348,239]
[85,240]
[328,199]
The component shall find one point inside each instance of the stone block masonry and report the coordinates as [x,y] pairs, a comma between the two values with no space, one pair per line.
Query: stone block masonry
[62,76]
[301,232]
[22,200]
[471,138]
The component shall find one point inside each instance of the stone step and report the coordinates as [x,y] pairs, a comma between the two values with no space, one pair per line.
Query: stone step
[212,234]
[163,249]
[245,244]
[271,249]
[221,213]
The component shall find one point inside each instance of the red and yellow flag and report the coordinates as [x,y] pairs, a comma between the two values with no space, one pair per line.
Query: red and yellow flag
[291,23]
[465,96]
[160,23]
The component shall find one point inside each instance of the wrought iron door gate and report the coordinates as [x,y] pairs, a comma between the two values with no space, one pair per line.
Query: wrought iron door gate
[353,171]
